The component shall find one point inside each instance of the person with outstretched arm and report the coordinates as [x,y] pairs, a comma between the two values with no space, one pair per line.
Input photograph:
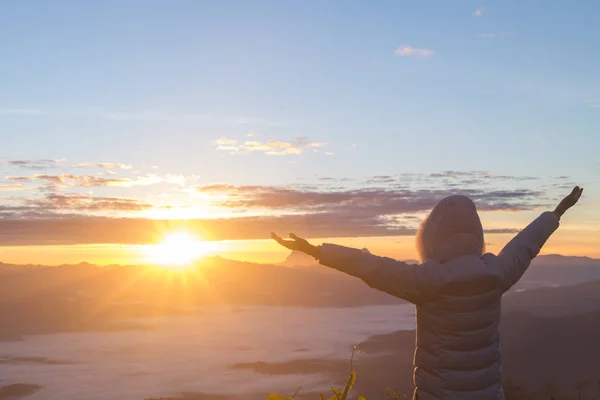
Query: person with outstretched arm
[456,288]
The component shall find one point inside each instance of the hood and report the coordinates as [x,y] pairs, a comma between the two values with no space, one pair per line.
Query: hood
[452,229]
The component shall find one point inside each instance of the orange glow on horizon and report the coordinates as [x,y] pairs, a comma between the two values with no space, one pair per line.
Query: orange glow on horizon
[186,246]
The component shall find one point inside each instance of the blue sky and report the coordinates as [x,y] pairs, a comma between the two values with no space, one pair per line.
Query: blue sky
[377,88]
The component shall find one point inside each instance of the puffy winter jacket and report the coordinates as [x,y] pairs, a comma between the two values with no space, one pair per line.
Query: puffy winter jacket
[457,354]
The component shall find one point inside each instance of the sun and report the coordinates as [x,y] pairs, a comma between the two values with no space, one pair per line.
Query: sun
[178,250]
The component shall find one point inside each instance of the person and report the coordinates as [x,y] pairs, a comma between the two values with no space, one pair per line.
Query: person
[456,289]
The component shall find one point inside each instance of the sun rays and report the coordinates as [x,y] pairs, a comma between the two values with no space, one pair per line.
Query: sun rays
[178,250]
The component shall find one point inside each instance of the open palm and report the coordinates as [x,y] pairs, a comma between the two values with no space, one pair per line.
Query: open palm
[297,243]
[570,200]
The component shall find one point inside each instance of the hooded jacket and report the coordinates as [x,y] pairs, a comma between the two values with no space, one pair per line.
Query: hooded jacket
[457,293]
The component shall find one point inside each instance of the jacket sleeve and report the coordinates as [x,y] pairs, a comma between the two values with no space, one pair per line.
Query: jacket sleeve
[517,255]
[388,275]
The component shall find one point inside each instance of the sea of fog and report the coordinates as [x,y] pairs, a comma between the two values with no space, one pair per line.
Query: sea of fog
[194,354]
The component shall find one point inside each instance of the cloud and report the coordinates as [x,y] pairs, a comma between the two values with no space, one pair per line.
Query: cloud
[494,35]
[93,181]
[71,180]
[390,205]
[374,202]
[145,180]
[459,179]
[123,362]
[272,147]
[22,179]
[54,204]
[31,164]
[83,202]
[46,164]
[12,187]
[51,181]
[381,179]
[115,165]
[406,50]
[105,165]
[502,231]
[479,12]
[79,229]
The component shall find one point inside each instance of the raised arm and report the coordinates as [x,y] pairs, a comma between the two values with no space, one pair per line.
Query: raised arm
[382,273]
[517,255]
[388,275]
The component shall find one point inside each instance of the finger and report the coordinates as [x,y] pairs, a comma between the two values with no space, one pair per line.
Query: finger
[297,238]
[278,239]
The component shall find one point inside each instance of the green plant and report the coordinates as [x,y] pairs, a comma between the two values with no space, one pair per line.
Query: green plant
[337,393]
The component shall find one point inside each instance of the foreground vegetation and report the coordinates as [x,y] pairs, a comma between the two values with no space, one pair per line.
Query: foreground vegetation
[512,392]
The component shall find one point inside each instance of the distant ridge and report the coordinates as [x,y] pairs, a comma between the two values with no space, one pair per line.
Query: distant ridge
[572,260]
[299,259]
[296,258]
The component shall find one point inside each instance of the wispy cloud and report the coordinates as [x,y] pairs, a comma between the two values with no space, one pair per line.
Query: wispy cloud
[32,164]
[15,187]
[272,147]
[58,181]
[374,202]
[479,12]
[54,181]
[107,165]
[77,202]
[41,211]
[495,35]
[406,50]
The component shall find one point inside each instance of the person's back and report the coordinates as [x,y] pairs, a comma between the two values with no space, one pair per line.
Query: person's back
[457,352]
[457,292]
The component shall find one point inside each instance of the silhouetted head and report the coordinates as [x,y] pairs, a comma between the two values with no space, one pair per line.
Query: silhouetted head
[451,229]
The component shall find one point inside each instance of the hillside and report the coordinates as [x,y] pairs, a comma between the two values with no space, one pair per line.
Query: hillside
[84,296]
[536,350]
[542,356]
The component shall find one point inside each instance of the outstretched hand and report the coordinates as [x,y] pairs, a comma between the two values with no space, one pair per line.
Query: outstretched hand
[569,201]
[297,243]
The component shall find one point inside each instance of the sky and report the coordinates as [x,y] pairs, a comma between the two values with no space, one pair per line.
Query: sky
[121,122]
